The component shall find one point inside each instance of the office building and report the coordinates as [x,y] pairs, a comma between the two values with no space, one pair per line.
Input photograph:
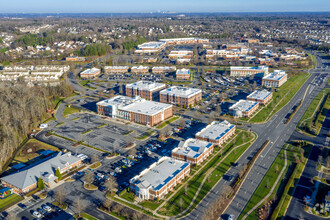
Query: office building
[181,96]
[193,151]
[116,69]
[136,110]
[261,96]
[163,69]
[217,132]
[182,74]
[275,79]
[159,179]
[145,89]
[90,73]
[140,69]
[242,71]
[243,108]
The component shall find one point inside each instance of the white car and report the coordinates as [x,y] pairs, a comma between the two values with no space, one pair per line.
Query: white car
[47,208]
[36,214]
[231,217]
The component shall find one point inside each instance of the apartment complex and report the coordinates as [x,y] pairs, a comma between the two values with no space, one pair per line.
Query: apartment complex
[275,79]
[90,73]
[182,74]
[150,47]
[159,179]
[26,179]
[243,108]
[193,151]
[74,58]
[140,69]
[145,89]
[136,110]
[163,69]
[261,96]
[180,54]
[116,69]
[242,71]
[217,132]
[181,96]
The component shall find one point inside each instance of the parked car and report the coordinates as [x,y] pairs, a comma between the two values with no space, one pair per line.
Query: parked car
[41,211]
[36,214]
[23,206]
[46,208]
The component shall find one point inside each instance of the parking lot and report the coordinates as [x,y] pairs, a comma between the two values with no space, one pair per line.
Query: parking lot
[100,133]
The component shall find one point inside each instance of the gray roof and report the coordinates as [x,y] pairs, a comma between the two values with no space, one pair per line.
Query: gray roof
[276,75]
[181,91]
[192,148]
[159,173]
[216,130]
[259,94]
[243,105]
[146,85]
[45,169]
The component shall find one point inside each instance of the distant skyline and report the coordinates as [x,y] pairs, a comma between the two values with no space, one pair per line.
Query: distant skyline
[145,6]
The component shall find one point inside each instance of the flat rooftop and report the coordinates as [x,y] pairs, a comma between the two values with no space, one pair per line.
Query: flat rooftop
[183,71]
[151,45]
[259,94]
[159,173]
[137,105]
[181,91]
[146,85]
[116,67]
[248,68]
[276,75]
[164,68]
[192,148]
[140,67]
[243,105]
[216,130]
[90,71]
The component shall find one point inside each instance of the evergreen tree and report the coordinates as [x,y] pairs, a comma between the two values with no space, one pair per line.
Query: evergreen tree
[58,174]
[41,184]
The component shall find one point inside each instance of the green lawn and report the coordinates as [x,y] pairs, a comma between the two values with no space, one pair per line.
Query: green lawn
[146,135]
[9,201]
[87,131]
[269,179]
[169,121]
[306,123]
[129,196]
[313,60]
[85,84]
[172,207]
[70,110]
[86,216]
[281,97]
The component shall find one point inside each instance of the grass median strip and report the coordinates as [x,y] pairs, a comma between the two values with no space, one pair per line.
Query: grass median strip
[169,121]
[295,154]
[281,97]
[172,207]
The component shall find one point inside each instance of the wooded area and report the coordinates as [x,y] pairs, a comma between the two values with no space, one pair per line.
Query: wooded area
[23,108]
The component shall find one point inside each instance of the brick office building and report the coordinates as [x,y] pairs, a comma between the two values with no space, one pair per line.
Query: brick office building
[181,96]
[193,151]
[243,108]
[140,69]
[216,132]
[145,89]
[243,71]
[159,179]
[136,110]
[275,79]
[116,69]
[90,73]
[182,74]
[261,96]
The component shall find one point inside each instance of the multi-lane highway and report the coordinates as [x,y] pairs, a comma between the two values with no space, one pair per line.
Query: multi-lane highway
[278,133]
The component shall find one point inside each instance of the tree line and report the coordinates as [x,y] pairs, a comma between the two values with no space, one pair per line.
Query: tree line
[93,50]
[22,109]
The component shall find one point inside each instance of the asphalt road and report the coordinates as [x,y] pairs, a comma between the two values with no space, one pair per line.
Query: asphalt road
[278,133]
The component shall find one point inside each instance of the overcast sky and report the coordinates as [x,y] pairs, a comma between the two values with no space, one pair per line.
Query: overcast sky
[141,6]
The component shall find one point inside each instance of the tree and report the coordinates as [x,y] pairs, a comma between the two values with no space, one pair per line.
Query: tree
[58,174]
[41,184]
[137,215]
[88,178]
[181,203]
[95,158]
[59,195]
[79,205]
[132,151]
[111,185]
[116,208]
[186,189]
[107,203]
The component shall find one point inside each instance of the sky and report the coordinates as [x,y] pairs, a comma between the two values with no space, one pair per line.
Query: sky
[143,6]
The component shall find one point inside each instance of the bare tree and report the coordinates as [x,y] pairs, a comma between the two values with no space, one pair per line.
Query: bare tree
[137,215]
[111,185]
[107,203]
[95,158]
[181,203]
[60,195]
[79,205]
[88,178]
[132,151]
